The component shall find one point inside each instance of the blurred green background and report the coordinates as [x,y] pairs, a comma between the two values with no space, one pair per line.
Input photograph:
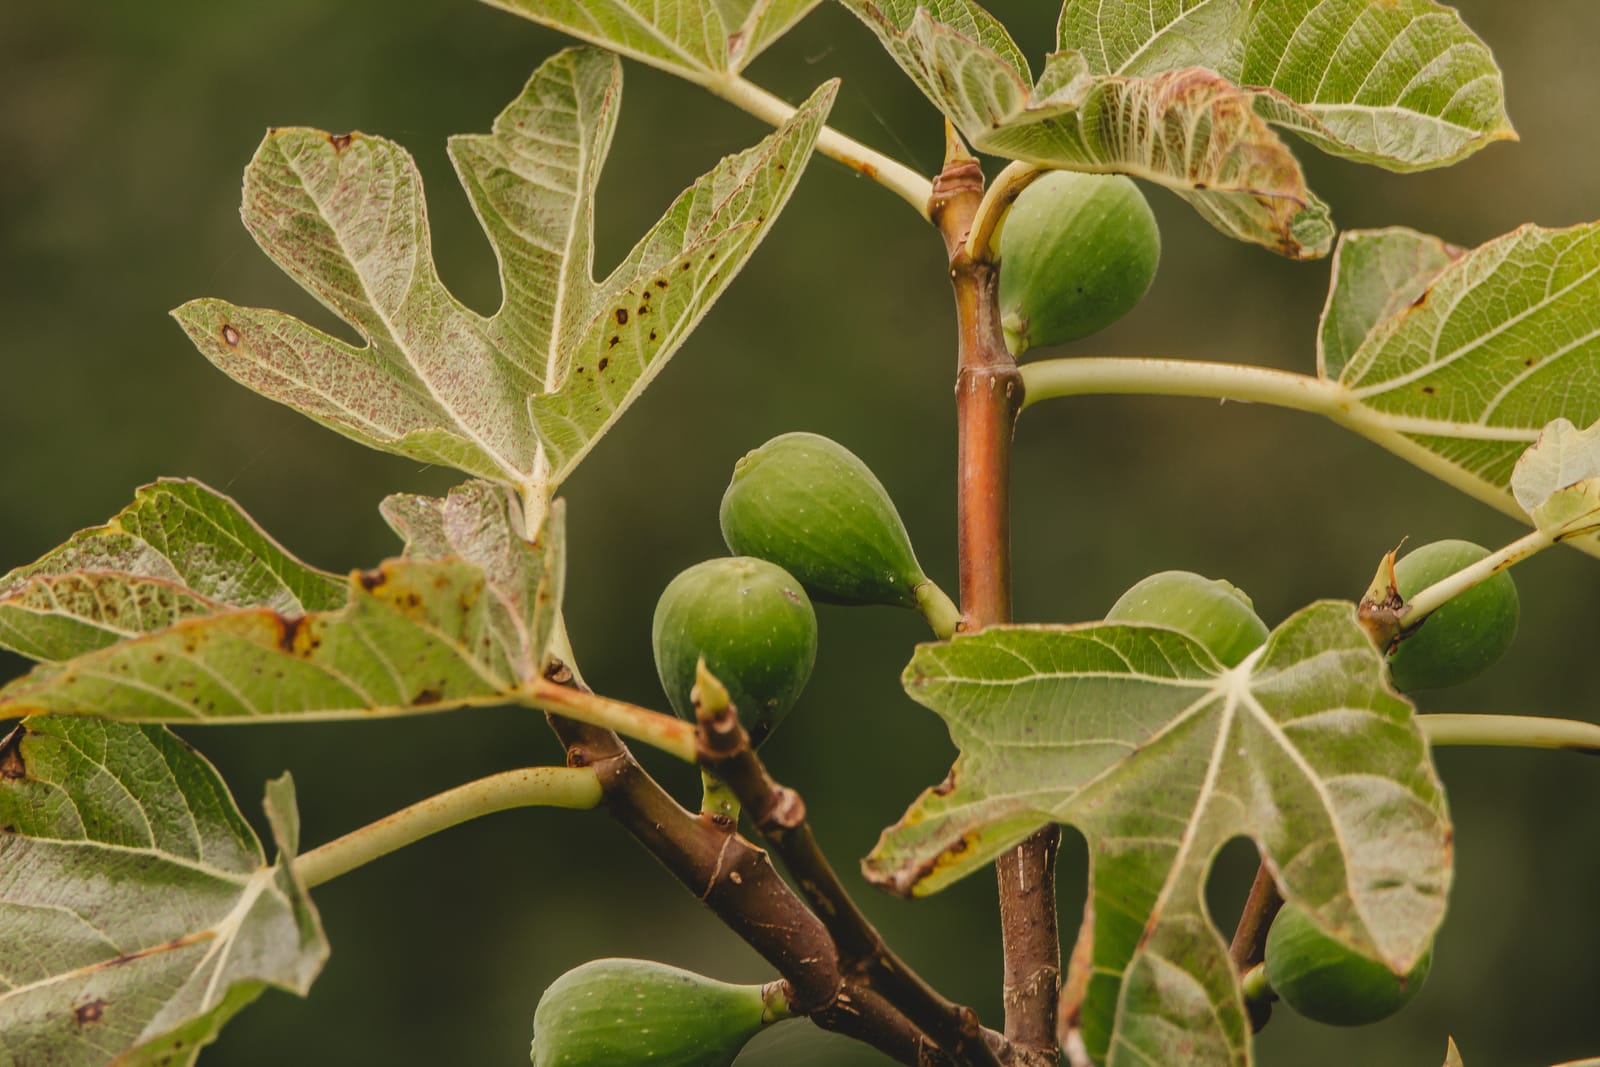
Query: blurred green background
[123,134]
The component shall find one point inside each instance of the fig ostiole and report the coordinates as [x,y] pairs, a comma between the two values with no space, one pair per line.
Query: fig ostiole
[1077,253]
[811,506]
[624,1013]
[1213,612]
[754,626]
[1329,982]
[1462,637]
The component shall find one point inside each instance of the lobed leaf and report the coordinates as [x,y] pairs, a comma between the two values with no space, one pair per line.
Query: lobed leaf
[179,551]
[1471,355]
[1403,85]
[695,39]
[137,910]
[463,619]
[1138,737]
[518,397]
[1190,130]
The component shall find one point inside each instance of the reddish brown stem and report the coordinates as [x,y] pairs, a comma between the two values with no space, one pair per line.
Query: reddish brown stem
[1249,945]
[779,814]
[988,397]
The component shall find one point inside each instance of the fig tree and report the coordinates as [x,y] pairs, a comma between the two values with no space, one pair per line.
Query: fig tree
[624,1013]
[1077,252]
[1330,983]
[1214,612]
[1464,636]
[753,623]
[811,506]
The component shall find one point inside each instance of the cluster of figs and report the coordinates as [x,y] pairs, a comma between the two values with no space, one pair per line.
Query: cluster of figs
[807,521]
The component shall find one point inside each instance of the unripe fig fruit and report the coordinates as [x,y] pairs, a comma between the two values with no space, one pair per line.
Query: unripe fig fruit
[811,506]
[1325,981]
[1464,636]
[1215,613]
[1077,252]
[755,627]
[628,1013]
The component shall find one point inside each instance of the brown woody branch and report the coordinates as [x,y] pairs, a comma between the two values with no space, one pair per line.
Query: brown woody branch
[738,883]
[989,395]
[1249,945]
[779,814]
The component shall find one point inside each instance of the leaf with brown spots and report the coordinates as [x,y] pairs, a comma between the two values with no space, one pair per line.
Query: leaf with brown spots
[519,396]
[1137,736]
[1402,84]
[1190,130]
[1458,359]
[463,619]
[179,551]
[138,912]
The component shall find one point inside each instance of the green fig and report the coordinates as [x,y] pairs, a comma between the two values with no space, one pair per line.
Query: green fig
[1214,612]
[1077,252]
[1465,635]
[628,1013]
[1328,982]
[811,506]
[753,623]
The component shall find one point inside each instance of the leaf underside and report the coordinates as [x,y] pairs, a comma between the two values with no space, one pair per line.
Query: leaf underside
[1140,739]
[1466,356]
[695,39]
[1181,92]
[464,618]
[521,396]
[137,910]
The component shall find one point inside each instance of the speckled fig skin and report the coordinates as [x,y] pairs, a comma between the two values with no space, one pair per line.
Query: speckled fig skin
[1327,982]
[632,1013]
[1077,252]
[811,506]
[755,626]
[1214,612]
[1467,634]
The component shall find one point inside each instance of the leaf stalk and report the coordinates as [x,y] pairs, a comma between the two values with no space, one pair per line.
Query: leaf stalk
[559,787]
[893,175]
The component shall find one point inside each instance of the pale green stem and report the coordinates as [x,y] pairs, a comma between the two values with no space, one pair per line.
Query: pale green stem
[1511,731]
[559,787]
[671,735]
[898,178]
[935,605]
[983,243]
[1434,596]
[1085,376]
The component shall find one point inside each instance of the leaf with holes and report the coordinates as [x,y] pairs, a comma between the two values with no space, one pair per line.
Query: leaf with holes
[137,910]
[1403,85]
[1557,481]
[695,39]
[1471,354]
[518,397]
[179,551]
[1137,736]
[1190,130]
[463,619]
